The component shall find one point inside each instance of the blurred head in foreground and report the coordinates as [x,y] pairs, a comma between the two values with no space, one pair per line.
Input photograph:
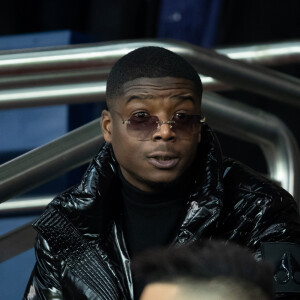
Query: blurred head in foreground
[210,270]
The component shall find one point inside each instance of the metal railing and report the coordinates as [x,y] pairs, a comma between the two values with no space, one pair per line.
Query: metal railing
[34,78]
[49,161]
[25,205]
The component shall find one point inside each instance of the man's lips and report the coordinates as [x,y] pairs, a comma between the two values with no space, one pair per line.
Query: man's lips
[163,160]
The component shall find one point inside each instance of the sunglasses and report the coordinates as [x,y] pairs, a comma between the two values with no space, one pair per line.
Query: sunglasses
[142,125]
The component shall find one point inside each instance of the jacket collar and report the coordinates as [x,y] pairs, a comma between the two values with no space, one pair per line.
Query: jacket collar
[205,200]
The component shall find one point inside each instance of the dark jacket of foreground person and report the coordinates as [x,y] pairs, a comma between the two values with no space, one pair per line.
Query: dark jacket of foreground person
[80,248]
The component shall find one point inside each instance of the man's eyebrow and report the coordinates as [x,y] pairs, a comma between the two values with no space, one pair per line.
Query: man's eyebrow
[184,97]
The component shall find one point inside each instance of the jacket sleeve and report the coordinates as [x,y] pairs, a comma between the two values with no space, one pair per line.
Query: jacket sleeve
[44,282]
[277,220]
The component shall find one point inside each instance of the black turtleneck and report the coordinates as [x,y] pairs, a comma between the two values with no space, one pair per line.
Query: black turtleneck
[150,219]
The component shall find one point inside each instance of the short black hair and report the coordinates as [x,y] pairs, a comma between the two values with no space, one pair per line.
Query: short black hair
[149,62]
[204,261]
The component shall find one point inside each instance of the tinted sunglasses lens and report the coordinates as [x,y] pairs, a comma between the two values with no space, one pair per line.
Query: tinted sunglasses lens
[142,127]
[186,123]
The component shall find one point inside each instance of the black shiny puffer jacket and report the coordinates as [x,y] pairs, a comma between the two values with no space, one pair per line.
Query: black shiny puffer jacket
[80,248]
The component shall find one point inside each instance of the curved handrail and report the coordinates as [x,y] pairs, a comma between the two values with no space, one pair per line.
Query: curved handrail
[264,129]
[76,58]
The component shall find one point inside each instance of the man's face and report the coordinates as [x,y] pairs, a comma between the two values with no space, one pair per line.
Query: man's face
[165,154]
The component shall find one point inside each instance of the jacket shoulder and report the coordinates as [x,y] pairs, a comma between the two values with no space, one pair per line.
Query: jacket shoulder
[239,178]
[257,209]
[84,206]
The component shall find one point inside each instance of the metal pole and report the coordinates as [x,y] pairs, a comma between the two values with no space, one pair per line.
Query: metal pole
[49,161]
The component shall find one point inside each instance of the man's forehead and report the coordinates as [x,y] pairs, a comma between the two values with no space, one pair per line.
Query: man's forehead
[145,88]
[159,83]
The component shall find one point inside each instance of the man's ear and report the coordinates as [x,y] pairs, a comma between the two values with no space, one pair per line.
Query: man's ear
[106,125]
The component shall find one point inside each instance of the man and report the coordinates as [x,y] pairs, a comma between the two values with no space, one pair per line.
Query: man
[210,270]
[159,180]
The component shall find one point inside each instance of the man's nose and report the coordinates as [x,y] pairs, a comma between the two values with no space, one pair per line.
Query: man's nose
[164,132]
